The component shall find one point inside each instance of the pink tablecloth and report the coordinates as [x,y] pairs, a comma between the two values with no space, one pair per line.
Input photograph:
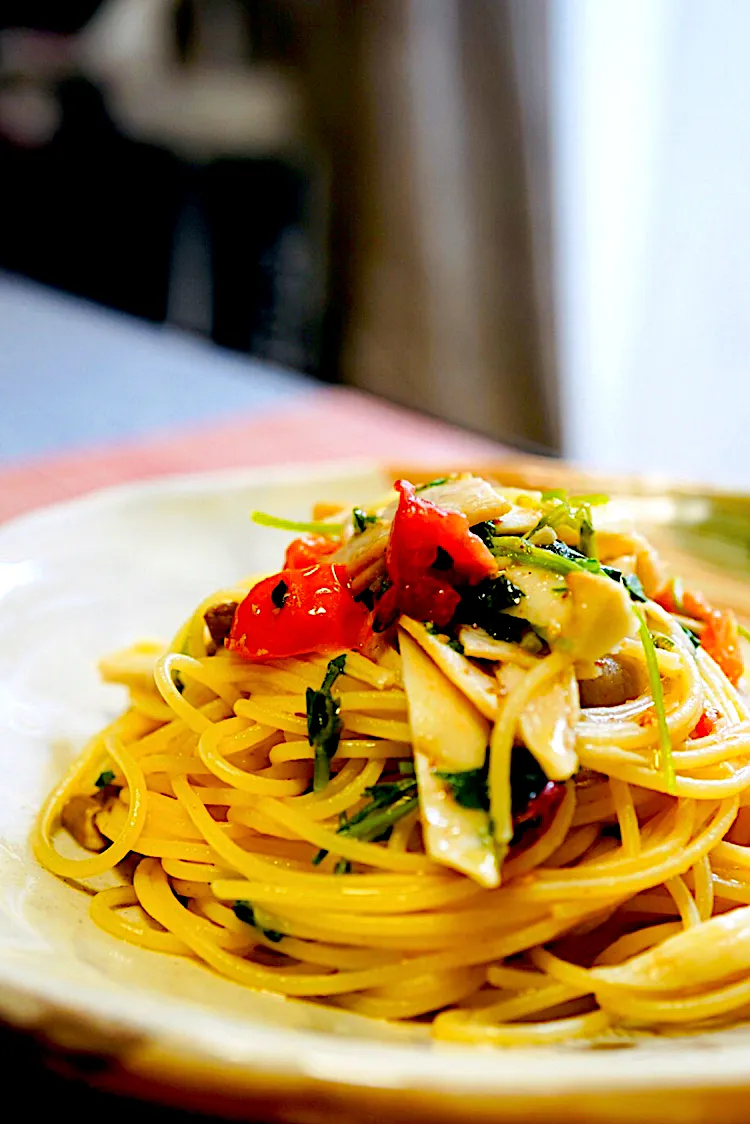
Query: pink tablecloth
[330,424]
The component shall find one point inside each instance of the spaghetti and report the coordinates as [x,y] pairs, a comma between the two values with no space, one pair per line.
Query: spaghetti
[468,755]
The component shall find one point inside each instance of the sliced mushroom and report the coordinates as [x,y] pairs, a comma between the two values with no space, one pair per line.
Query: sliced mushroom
[615,684]
[134,666]
[479,687]
[219,620]
[79,818]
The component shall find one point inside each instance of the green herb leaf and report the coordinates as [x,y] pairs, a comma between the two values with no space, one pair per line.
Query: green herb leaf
[105,778]
[657,694]
[484,605]
[324,722]
[693,637]
[527,781]
[543,558]
[362,520]
[389,802]
[634,587]
[244,911]
[343,866]
[279,594]
[318,857]
[335,668]
[664,642]
[586,533]
[432,483]
[456,645]
[468,787]
[559,558]
[406,768]
[330,530]
[485,531]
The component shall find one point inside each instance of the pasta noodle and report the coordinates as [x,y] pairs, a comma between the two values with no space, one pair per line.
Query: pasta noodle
[507,790]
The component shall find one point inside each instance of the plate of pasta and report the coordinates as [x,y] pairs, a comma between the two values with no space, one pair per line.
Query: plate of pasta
[358,787]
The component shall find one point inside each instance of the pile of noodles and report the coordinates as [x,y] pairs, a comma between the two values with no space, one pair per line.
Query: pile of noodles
[628,908]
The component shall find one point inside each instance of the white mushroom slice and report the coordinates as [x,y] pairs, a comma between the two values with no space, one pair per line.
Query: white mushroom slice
[518,521]
[455,836]
[612,544]
[481,646]
[546,603]
[446,727]
[602,616]
[134,666]
[548,721]
[449,734]
[648,565]
[479,687]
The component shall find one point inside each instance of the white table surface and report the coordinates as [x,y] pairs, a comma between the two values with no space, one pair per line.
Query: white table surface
[75,374]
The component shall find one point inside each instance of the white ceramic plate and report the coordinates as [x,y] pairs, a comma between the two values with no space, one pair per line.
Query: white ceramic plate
[81,579]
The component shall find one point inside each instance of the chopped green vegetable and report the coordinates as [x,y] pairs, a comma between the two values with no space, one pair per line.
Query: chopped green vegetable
[279,594]
[318,857]
[485,531]
[105,778]
[362,520]
[331,530]
[586,532]
[456,645]
[744,632]
[634,587]
[343,866]
[664,642]
[324,722]
[543,558]
[468,787]
[657,694]
[432,483]
[244,911]
[693,637]
[389,802]
[573,512]
[559,558]
[527,781]
[406,768]
[483,605]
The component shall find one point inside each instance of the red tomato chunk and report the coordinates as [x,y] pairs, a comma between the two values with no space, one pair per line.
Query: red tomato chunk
[297,612]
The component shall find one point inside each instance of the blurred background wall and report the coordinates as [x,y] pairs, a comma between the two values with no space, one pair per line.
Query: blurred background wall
[651,130]
[526,216]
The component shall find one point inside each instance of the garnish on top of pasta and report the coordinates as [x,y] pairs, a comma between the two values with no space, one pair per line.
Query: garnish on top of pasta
[470,754]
